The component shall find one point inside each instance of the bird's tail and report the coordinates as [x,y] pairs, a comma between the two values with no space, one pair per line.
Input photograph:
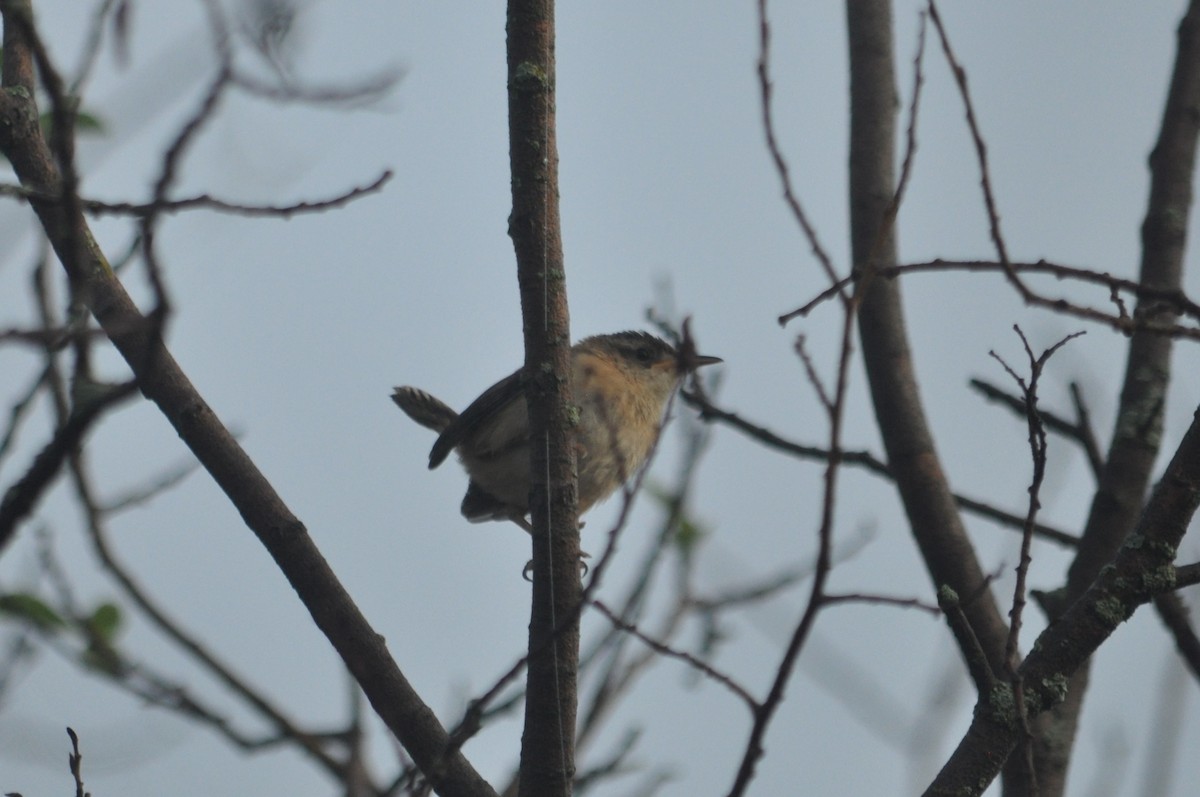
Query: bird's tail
[423,408]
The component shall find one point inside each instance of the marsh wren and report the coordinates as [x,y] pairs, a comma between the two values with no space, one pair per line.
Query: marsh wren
[621,384]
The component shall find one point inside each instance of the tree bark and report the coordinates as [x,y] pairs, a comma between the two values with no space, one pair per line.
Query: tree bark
[912,456]
[1137,436]
[548,741]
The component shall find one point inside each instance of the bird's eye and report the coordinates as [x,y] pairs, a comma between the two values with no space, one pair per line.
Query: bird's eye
[644,354]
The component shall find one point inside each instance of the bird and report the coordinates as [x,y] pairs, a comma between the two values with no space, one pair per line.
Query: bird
[621,383]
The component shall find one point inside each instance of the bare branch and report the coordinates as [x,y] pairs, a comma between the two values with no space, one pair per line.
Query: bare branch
[1154,317]
[208,202]
[75,759]
[1086,434]
[1078,431]
[1066,645]
[985,180]
[1037,448]
[163,382]
[1175,616]
[781,167]
[188,643]
[882,600]
[863,459]
[667,650]
[20,499]
[1187,575]
[978,666]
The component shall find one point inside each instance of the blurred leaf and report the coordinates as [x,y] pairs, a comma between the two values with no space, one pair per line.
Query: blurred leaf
[105,621]
[690,533]
[24,606]
[101,628]
[85,123]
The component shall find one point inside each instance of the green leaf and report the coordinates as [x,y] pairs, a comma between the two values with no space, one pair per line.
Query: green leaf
[101,628]
[89,123]
[689,534]
[31,609]
[85,123]
[105,622]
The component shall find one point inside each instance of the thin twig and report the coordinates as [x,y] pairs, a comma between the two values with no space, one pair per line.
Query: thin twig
[91,49]
[765,712]
[766,91]
[882,600]
[667,650]
[19,411]
[814,378]
[75,761]
[1037,448]
[1078,431]
[985,181]
[1085,433]
[20,499]
[354,95]
[968,643]
[97,207]
[757,593]
[1161,299]
[171,629]
[863,459]
[893,209]
[144,493]
[1175,616]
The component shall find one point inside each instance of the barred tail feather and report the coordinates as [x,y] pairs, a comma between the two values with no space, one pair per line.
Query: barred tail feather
[423,408]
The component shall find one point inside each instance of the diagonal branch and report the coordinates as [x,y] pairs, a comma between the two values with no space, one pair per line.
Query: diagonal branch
[20,499]
[1139,572]
[96,207]
[766,93]
[863,459]
[162,381]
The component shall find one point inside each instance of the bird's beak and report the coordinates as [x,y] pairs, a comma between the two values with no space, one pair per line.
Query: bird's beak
[690,362]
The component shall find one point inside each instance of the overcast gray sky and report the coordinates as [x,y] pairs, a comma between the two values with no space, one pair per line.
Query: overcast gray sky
[295,331]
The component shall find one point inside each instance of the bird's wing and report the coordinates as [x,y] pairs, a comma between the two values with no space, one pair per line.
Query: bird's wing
[480,411]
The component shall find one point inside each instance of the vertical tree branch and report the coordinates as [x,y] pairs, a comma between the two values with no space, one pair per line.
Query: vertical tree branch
[912,457]
[1138,433]
[547,746]
[1137,436]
